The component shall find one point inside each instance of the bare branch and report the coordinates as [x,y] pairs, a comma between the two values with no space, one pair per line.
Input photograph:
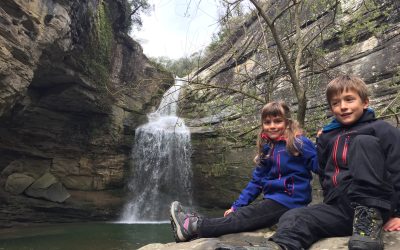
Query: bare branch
[279,44]
[212,86]
[282,12]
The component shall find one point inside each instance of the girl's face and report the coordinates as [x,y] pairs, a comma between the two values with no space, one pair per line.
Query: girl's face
[274,126]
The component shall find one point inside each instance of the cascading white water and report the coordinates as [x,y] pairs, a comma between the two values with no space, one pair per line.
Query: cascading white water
[161,163]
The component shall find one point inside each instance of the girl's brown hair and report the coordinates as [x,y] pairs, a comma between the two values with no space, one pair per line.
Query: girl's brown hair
[279,108]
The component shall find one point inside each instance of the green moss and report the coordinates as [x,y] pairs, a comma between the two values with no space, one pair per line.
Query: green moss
[96,56]
[218,169]
[104,35]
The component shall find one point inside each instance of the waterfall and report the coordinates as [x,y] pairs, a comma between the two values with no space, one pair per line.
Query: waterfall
[161,168]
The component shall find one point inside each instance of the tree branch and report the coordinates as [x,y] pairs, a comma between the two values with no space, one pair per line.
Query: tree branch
[211,86]
[279,44]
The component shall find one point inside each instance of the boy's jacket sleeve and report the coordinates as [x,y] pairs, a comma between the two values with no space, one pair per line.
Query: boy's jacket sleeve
[322,156]
[390,143]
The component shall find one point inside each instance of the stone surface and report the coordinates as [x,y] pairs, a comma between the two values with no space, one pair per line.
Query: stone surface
[57,192]
[61,102]
[17,183]
[49,188]
[82,206]
[31,167]
[44,182]
[256,239]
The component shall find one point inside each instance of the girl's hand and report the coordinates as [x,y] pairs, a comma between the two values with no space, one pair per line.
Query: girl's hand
[230,210]
[393,224]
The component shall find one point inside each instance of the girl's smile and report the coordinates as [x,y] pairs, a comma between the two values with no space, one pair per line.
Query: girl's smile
[274,126]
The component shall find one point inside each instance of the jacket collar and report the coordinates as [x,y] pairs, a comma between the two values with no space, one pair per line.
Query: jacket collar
[266,137]
[368,115]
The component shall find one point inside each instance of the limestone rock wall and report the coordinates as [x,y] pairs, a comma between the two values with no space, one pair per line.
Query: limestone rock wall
[73,87]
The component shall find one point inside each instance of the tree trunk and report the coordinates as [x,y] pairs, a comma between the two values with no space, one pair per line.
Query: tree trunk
[302,106]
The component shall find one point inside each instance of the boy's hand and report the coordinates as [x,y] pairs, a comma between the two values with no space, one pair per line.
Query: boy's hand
[393,224]
[230,210]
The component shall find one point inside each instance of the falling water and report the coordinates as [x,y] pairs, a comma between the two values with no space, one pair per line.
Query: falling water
[161,159]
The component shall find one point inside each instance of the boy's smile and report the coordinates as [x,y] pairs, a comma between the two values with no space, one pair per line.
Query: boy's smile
[348,107]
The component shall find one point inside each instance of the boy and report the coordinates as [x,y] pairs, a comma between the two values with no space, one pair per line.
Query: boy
[359,161]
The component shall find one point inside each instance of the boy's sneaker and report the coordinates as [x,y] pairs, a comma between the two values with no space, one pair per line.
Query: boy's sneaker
[184,224]
[367,229]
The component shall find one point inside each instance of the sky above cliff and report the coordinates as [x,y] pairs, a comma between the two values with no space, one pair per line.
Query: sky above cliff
[177,28]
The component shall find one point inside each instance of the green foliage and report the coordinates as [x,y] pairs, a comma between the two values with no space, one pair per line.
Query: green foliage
[231,16]
[365,19]
[315,121]
[134,9]
[315,8]
[217,40]
[179,67]
[391,111]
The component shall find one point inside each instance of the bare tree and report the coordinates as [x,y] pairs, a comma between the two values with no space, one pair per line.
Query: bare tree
[292,50]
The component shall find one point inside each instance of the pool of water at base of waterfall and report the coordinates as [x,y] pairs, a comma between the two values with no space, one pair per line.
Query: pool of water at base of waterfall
[85,236]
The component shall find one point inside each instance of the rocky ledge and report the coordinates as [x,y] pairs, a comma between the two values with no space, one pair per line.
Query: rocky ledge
[255,241]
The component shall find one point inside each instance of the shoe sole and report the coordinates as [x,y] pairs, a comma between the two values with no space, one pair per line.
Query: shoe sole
[175,226]
[174,229]
[359,244]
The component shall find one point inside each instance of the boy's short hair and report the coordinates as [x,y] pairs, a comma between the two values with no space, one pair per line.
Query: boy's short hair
[344,83]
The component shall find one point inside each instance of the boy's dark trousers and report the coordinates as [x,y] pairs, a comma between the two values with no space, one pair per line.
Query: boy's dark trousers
[369,186]
[260,214]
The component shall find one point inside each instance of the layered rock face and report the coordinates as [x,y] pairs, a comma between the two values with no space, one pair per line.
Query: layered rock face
[73,87]
[224,126]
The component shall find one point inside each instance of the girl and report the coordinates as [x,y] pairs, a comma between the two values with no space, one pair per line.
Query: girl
[284,161]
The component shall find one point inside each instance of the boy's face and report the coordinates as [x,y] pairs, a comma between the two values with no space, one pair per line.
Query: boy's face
[348,107]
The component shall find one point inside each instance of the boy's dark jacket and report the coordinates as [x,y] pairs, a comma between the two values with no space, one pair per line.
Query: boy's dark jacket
[282,177]
[333,153]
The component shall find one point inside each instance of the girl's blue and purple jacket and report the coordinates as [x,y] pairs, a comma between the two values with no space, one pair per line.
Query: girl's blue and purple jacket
[283,177]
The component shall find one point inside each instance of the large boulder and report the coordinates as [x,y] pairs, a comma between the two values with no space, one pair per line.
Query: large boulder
[17,183]
[49,188]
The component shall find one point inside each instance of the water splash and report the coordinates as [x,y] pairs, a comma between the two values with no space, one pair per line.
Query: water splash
[161,163]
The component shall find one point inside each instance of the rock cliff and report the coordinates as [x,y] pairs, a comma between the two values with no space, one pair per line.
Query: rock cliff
[73,87]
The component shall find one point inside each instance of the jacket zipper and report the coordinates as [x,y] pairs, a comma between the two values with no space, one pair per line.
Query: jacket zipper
[279,165]
[334,156]
[344,154]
